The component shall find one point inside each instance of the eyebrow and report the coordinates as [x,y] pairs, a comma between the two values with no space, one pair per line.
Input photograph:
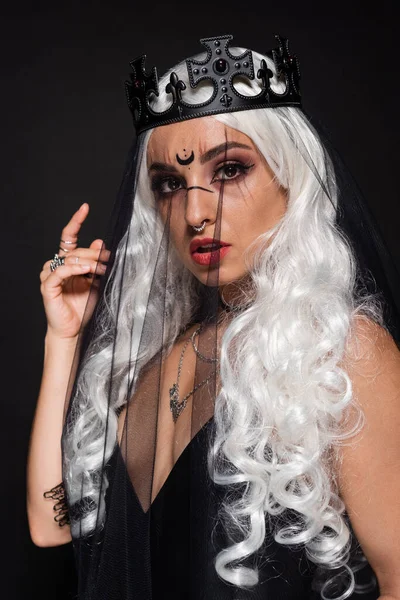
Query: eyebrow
[208,155]
[159,166]
[213,152]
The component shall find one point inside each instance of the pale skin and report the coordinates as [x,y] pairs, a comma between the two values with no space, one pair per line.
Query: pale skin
[367,468]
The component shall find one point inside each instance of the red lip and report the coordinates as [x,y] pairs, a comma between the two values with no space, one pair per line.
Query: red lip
[211,257]
[203,242]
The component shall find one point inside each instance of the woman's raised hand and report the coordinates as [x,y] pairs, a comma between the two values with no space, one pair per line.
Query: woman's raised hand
[65,291]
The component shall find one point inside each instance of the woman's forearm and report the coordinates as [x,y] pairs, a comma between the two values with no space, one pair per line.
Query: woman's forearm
[44,470]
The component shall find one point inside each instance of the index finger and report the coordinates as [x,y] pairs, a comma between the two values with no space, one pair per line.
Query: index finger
[71,230]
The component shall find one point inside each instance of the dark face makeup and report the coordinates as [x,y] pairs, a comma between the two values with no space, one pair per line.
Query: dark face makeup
[191,165]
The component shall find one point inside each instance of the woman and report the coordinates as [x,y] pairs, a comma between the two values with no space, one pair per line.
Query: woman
[222,435]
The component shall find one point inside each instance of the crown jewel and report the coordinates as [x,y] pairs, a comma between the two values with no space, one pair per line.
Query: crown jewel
[220,68]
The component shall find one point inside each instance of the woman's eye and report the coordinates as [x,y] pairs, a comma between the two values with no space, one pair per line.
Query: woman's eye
[230,171]
[166,185]
[170,185]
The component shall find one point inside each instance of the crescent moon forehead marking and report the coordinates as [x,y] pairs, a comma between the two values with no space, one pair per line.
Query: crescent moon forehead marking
[185,161]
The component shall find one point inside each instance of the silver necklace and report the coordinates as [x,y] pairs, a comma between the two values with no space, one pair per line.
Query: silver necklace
[177,406]
[199,354]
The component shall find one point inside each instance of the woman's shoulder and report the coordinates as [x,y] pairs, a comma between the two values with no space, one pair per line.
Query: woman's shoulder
[369,349]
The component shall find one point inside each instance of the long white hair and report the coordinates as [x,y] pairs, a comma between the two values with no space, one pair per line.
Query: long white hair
[283,392]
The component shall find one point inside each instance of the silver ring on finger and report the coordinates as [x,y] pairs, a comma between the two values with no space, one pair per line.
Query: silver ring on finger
[64,249]
[58,261]
[68,241]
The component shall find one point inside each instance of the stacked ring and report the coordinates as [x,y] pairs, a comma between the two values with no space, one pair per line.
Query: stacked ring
[66,250]
[68,242]
[57,261]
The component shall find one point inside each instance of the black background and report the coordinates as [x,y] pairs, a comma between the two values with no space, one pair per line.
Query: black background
[65,132]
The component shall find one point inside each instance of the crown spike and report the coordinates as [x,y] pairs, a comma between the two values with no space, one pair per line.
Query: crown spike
[287,64]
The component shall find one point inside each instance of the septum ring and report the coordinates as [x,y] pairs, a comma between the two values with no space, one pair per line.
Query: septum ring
[199,228]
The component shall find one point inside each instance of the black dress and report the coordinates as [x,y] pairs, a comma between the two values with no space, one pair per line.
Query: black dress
[168,551]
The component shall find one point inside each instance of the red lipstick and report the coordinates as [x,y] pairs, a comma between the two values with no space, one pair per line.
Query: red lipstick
[208,251]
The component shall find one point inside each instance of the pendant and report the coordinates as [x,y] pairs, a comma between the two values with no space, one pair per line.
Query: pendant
[175,406]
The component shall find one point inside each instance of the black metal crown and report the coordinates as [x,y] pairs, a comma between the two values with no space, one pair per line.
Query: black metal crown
[221,68]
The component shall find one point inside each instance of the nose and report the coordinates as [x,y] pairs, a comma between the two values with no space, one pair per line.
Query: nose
[201,205]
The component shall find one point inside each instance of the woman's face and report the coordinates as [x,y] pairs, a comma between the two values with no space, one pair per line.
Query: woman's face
[190,163]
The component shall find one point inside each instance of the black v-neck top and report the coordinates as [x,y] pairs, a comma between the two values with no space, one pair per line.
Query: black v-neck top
[168,552]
